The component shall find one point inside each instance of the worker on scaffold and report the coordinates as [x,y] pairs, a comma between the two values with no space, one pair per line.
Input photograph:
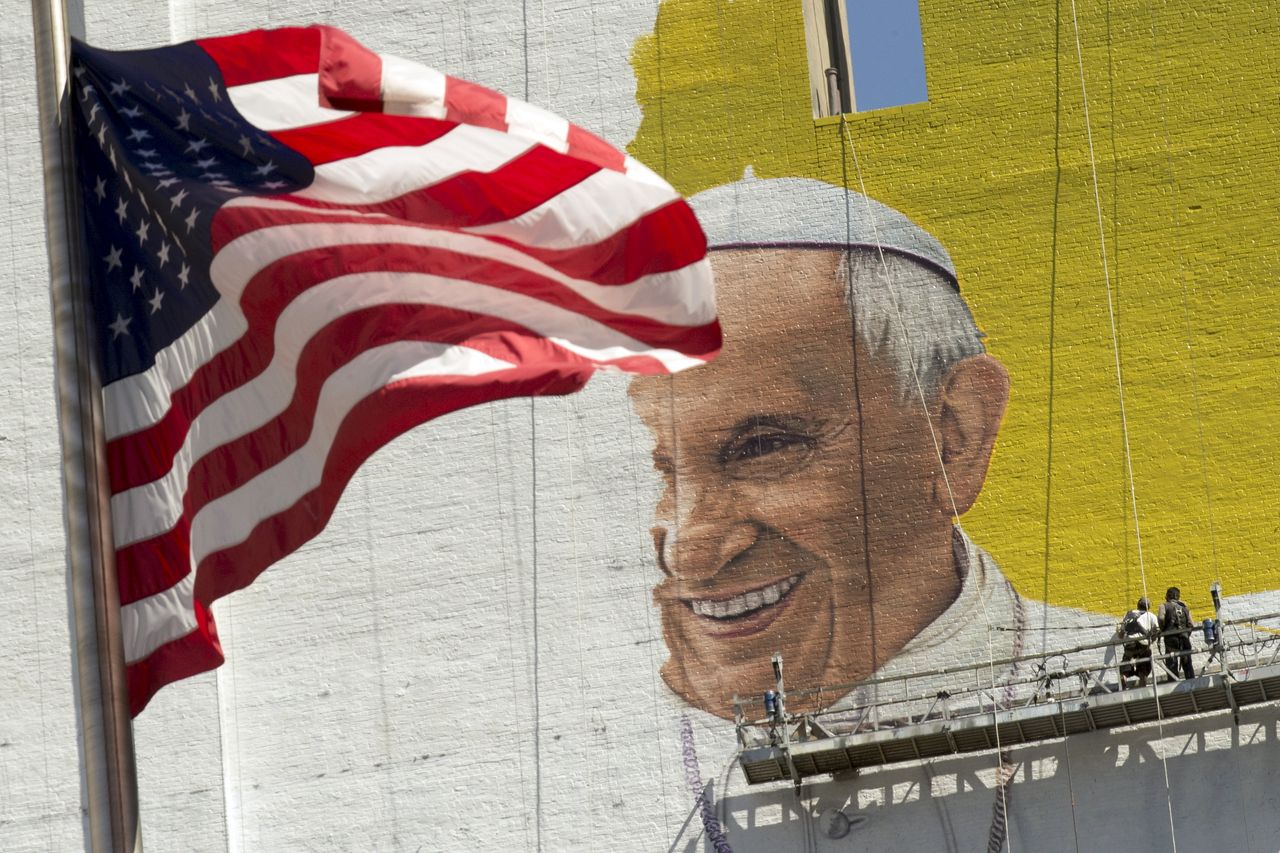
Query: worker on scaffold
[1175,628]
[1138,628]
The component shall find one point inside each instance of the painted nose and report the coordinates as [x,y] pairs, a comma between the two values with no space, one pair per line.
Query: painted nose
[695,551]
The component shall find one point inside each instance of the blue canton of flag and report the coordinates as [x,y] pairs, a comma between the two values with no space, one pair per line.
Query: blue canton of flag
[157,156]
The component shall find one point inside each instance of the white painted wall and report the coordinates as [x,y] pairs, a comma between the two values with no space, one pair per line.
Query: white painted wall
[39,781]
[413,679]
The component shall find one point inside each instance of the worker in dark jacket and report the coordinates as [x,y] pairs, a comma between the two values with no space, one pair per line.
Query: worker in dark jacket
[1175,626]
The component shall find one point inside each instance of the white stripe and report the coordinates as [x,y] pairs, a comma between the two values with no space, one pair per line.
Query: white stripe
[283,103]
[149,623]
[142,399]
[535,123]
[230,519]
[591,210]
[683,297]
[387,173]
[412,89]
[679,298]
[165,616]
[148,510]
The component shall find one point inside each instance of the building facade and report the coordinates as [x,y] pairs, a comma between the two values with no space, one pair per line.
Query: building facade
[491,648]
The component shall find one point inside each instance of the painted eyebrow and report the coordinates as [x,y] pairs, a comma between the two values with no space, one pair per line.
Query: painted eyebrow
[790,422]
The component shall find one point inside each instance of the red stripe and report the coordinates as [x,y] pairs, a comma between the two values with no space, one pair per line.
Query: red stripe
[260,55]
[147,454]
[151,566]
[661,241]
[229,466]
[360,134]
[392,256]
[332,347]
[350,73]
[470,199]
[587,146]
[467,103]
[372,423]
[235,462]
[193,654]
[154,565]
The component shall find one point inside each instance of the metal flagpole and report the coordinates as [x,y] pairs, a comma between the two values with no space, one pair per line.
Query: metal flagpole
[108,774]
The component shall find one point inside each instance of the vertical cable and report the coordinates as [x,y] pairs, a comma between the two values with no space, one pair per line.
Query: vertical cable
[998,827]
[1053,317]
[1124,422]
[506,600]
[537,698]
[533,489]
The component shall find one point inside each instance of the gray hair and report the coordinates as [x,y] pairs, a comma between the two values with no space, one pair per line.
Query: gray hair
[909,315]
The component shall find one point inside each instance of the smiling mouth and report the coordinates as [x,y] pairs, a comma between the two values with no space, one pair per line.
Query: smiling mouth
[745,604]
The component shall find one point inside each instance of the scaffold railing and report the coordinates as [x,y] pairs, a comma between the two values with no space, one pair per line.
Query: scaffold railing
[997,704]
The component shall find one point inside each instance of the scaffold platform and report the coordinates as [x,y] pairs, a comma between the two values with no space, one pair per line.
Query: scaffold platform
[848,737]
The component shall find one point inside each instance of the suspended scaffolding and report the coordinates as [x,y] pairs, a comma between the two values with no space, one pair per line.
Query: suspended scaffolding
[891,720]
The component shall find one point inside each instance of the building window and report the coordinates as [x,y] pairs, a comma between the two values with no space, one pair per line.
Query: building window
[864,54]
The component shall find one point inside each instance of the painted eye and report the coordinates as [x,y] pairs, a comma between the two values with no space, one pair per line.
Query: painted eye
[762,444]
[765,453]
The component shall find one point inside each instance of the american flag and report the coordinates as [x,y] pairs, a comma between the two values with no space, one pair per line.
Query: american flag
[298,250]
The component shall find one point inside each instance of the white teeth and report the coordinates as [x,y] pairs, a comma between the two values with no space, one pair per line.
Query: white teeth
[745,603]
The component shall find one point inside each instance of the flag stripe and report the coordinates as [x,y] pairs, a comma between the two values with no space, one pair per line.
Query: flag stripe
[140,456]
[410,88]
[259,55]
[539,125]
[305,496]
[285,103]
[141,400]
[391,172]
[361,133]
[184,508]
[469,199]
[196,652]
[350,73]
[588,146]
[377,420]
[146,511]
[150,623]
[619,262]
[471,104]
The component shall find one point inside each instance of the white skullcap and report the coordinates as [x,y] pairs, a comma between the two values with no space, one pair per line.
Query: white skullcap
[802,213]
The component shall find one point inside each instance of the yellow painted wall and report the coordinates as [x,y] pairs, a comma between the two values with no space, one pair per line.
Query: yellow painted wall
[1184,104]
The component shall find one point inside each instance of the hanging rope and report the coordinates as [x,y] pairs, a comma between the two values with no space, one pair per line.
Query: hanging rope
[516,730]
[371,542]
[1124,423]
[999,835]
[1053,317]
[1066,754]
[533,514]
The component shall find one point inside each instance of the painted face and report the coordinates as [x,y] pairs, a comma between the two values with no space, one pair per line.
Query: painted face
[799,514]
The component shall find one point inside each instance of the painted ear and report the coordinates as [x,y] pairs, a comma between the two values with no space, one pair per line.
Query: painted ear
[971,404]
